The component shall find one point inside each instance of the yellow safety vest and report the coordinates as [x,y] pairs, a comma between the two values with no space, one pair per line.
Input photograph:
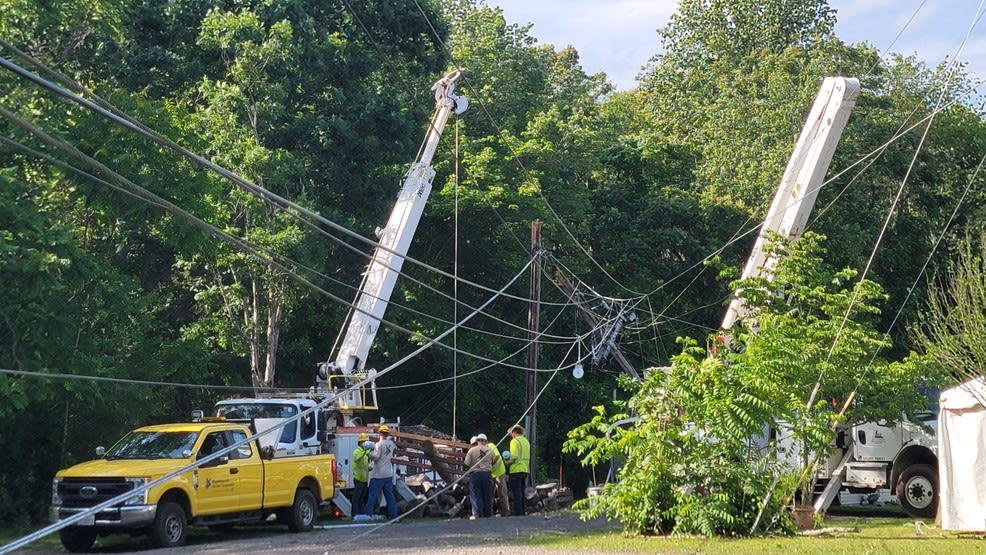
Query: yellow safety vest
[520,455]
[498,467]
[361,465]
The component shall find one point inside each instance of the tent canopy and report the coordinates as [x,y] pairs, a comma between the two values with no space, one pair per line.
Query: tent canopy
[962,456]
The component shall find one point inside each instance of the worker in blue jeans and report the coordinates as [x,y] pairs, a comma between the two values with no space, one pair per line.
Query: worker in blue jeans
[382,474]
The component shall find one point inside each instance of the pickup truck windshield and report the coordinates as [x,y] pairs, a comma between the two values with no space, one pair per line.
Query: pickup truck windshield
[152,445]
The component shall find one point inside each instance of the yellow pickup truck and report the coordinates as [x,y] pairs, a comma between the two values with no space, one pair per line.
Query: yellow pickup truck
[238,481]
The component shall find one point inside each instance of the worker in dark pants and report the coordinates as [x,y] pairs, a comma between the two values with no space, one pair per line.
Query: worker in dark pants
[361,471]
[501,491]
[520,467]
[479,459]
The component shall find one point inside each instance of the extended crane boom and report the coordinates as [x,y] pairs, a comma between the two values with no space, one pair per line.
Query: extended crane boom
[802,178]
[393,242]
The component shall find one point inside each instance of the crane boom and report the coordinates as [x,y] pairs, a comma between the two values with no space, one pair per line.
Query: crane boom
[393,241]
[802,178]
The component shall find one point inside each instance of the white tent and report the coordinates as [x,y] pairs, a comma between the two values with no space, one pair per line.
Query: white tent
[962,456]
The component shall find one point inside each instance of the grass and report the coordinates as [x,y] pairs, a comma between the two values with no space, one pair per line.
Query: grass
[850,535]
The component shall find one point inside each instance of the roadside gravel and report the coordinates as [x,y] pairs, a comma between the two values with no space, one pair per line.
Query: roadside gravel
[418,536]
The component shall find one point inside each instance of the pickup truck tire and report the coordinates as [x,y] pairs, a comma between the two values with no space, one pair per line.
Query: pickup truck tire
[76,539]
[170,527]
[917,491]
[301,516]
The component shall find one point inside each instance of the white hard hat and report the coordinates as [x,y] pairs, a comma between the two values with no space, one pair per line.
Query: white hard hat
[367,445]
[473,439]
[505,454]
[481,437]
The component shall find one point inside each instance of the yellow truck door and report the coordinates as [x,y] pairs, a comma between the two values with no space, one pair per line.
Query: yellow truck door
[213,482]
[247,470]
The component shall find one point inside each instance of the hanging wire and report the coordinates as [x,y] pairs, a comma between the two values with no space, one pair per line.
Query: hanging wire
[455,288]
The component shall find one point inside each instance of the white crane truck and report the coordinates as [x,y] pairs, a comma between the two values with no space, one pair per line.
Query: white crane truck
[310,425]
[871,456]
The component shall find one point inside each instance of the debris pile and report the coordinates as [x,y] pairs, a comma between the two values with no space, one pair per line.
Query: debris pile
[429,460]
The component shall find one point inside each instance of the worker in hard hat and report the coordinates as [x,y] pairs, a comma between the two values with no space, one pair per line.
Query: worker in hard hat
[519,467]
[382,474]
[479,460]
[361,471]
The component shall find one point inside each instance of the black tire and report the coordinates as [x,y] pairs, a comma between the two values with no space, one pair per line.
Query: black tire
[170,527]
[301,517]
[917,491]
[77,540]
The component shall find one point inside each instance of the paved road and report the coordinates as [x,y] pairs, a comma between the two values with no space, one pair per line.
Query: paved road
[425,536]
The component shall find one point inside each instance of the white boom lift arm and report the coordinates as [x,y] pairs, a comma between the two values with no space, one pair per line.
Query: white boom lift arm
[388,258]
[802,178]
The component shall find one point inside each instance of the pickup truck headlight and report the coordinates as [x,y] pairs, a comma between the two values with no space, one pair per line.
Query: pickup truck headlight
[138,498]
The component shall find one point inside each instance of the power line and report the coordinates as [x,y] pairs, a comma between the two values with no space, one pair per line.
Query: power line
[208,228]
[295,208]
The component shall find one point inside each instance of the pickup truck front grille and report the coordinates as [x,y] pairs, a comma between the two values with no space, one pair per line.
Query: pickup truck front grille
[87,492]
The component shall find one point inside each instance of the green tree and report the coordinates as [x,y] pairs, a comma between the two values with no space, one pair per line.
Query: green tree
[89,264]
[687,461]
[246,295]
[734,82]
[704,32]
[911,185]
[690,459]
[949,331]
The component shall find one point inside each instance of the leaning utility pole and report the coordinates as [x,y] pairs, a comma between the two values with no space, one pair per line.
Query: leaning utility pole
[533,324]
[607,345]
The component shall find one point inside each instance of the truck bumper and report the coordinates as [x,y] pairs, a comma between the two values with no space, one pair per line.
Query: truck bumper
[130,516]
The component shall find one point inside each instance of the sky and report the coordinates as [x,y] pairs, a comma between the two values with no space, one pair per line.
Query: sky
[617,37]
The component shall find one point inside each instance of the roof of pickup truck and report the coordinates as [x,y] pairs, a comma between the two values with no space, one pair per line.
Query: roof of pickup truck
[193,426]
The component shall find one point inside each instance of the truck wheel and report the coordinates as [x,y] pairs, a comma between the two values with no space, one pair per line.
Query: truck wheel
[170,525]
[301,516]
[77,540]
[917,491]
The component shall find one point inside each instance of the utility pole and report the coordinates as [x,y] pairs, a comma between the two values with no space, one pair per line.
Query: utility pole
[607,346]
[533,325]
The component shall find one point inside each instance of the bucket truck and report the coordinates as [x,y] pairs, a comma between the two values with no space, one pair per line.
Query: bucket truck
[335,429]
[868,457]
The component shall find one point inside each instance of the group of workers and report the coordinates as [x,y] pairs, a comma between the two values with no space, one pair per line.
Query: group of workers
[488,476]
[369,481]
[487,469]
